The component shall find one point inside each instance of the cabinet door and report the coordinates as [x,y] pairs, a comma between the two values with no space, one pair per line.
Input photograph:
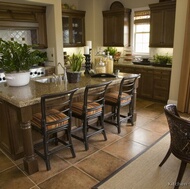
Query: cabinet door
[168,27]
[66,32]
[116,31]
[41,32]
[156,28]
[4,128]
[162,24]
[119,30]
[108,28]
[77,31]
[146,83]
[73,23]
[161,84]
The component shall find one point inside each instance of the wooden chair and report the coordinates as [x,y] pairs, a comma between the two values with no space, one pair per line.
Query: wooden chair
[119,99]
[180,140]
[90,109]
[54,120]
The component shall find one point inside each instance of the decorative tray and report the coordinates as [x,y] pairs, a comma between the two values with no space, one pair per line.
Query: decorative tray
[161,65]
[142,63]
[103,75]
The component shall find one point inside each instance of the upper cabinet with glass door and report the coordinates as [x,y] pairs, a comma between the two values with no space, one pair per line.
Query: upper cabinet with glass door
[73,22]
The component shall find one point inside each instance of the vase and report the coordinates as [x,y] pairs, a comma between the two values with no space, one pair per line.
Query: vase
[17,79]
[73,77]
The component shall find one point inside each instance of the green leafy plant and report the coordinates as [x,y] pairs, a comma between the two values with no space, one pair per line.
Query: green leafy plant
[112,51]
[16,57]
[162,59]
[76,61]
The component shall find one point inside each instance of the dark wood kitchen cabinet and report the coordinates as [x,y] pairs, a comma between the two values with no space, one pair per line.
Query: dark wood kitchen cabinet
[161,84]
[146,83]
[10,135]
[25,17]
[116,27]
[162,24]
[154,83]
[73,22]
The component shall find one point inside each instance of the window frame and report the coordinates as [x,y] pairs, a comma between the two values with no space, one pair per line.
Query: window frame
[133,32]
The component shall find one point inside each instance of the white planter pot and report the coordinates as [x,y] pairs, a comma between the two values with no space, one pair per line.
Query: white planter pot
[17,79]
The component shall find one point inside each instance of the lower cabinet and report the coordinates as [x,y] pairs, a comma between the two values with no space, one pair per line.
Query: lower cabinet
[161,84]
[154,83]
[10,132]
[146,82]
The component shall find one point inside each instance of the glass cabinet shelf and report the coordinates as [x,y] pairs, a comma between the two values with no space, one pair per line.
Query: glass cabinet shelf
[73,22]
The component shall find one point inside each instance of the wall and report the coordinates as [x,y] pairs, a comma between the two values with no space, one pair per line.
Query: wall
[178,49]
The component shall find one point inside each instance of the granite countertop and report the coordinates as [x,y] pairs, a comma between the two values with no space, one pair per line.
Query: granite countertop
[127,64]
[31,93]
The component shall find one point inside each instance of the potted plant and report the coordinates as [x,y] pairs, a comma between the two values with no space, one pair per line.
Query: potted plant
[113,52]
[16,59]
[162,59]
[75,60]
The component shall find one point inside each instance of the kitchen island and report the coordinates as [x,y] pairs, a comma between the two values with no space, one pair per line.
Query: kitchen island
[18,104]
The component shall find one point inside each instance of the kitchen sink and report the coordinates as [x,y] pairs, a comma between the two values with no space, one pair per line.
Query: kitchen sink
[50,79]
[46,80]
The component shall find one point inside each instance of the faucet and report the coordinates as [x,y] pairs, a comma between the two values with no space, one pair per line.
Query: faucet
[64,71]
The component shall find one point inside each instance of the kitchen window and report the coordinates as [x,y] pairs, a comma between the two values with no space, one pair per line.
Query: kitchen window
[141,31]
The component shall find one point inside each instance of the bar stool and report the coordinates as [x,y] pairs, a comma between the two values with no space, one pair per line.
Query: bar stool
[119,99]
[92,108]
[54,120]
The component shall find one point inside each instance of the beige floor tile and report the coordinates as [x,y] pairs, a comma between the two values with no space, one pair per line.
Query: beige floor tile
[156,126]
[5,162]
[100,165]
[142,120]
[79,150]
[152,111]
[142,103]
[99,142]
[125,149]
[13,178]
[126,128]
[162,118]
[71,178]
[57,165]
[143,136]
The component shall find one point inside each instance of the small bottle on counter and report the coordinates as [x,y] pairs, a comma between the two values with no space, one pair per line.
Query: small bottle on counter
[100,67]
[109,64]
[100,55]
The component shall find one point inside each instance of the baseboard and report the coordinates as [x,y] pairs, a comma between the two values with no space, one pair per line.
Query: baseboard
[172,102]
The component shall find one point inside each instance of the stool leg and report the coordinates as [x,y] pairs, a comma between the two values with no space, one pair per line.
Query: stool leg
[70,142]
[85,139]
[118,121]
[102,125]
[46,154]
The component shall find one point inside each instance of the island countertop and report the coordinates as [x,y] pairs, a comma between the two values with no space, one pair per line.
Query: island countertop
[31,93]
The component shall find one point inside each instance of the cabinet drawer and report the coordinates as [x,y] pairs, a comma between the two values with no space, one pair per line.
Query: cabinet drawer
[162,72]
[162,77]
[147,71]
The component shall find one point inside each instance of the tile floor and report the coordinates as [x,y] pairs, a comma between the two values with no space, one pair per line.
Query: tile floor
[90,167]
